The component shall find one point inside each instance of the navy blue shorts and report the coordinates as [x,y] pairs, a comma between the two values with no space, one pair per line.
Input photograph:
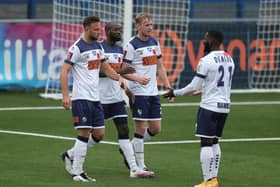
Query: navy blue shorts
[210,124]
[114,110]
[146,108]
[87,114]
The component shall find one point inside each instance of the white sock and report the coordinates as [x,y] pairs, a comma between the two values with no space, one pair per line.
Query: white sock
[217,157]
[91,141]
[207,161]
[80,151]
[128,152]
[147,136]
[138,146]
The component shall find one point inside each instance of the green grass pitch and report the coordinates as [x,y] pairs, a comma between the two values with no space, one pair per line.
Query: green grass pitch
[27,161]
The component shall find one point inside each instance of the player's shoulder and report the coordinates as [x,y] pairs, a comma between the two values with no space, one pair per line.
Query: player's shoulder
[74,47]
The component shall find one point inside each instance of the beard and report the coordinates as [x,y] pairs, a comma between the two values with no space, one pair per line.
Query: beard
[93,38]
[207,47]
[115,38]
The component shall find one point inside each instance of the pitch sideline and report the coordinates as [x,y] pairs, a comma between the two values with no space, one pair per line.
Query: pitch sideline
[163,104]
[150,143]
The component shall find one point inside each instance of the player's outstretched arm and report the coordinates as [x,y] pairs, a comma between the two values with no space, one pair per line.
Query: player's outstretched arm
[191,89]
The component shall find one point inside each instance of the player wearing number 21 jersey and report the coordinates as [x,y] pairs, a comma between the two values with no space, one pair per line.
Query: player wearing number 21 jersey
[213,78]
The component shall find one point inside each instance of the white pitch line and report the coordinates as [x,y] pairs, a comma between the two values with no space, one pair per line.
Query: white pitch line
[233,103]
[164,104]
[151,143]
[31,108]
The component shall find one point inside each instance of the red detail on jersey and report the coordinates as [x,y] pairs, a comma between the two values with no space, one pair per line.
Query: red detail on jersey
[69,55]
[98,55]
[154,51]
[119,59]
[124,54]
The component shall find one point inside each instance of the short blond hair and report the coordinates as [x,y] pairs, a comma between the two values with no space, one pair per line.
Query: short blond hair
[142,17]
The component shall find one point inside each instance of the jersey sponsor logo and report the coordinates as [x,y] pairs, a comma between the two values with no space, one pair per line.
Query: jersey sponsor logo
[149,60]
[93,64]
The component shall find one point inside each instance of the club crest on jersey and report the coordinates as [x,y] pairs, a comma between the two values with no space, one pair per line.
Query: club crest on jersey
[150,49]
[96,54]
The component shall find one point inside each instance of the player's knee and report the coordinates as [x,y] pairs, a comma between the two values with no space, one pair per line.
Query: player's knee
[98,138]
[154,130]
[98,135]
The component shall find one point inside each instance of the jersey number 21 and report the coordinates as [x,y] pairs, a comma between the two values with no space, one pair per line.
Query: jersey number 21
[221,81]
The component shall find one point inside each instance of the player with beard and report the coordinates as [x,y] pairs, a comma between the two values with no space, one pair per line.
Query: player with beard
[85,59]
[213,78]
[112,100]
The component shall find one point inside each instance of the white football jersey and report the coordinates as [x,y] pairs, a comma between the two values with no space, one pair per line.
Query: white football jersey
[216,69]
[143,56]
[110,90]
[85,60]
